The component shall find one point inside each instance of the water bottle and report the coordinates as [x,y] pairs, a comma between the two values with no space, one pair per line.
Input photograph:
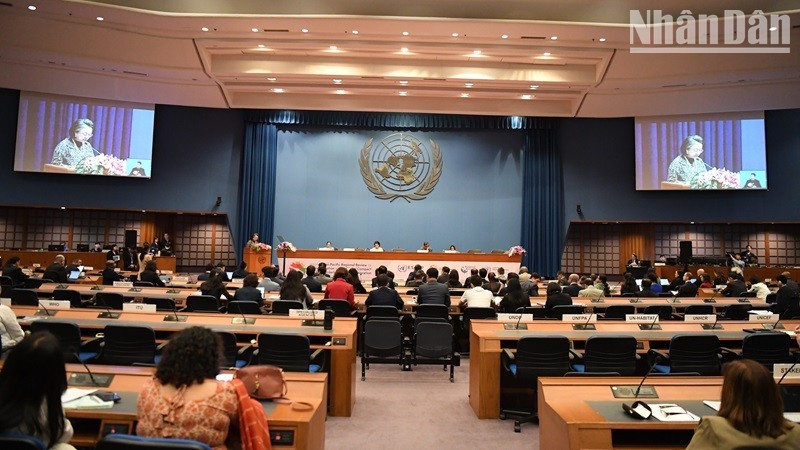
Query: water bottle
[327,324]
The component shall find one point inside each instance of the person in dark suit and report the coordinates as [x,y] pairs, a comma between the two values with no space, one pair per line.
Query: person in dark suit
[110,275]
[56,271]
[433,292]
[687,289]
[634,261]
[383,295]
[383,270]
[241,271]
[130,259]
[311,283]
[647,289]
[13,271]
[445,275]
[573,288]
[77,262]
[787,300]
[113,254]
[249,291]
[735,286]
[555,297]
[150,274]
[165,245]
[790,282]
[97,248]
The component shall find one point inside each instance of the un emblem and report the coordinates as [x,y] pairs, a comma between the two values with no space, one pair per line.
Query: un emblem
[400,166]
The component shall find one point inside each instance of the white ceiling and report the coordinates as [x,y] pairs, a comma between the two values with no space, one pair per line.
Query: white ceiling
[155,51]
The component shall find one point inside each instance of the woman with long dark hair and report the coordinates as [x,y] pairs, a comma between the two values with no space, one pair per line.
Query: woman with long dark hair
[294,289]
[214,286]
[514,298]
[31,383]
[354,279]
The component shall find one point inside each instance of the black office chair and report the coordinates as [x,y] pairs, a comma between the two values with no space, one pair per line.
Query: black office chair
[610,354]
[19,441]
[24,297]
[618,312]
[130,442]
[689,353]
[126,345]
[737,312]
[110,300]
[291,352]
[664,311]
[6,281]
[772,297]
[558,311]
[433,344]
[35,283]
[143,284]
[282,307]
[162,304]
[768,348]
[475,312]
[382,343]
[340,308]
[748,294]
[69,338]
[74,297]
[244,307]
[5,291]
[233,356]
[202,303]
[536,356]
[699,310]
[536,311]
[436,311]
[381,312]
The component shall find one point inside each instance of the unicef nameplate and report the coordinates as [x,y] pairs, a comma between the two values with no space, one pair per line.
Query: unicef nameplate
[55,304]
[313,314]
[764,318]
[641,318]
[514,318]
[123,284]
[700,318]
[138,307]
[779,370]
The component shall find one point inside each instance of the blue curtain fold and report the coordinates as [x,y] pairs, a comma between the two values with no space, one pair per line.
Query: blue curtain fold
[542,203]
[257,201]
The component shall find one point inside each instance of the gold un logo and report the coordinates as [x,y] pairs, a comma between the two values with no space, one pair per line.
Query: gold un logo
[400,166]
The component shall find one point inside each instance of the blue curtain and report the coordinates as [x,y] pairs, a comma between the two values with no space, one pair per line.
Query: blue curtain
[257,203]
[542,203]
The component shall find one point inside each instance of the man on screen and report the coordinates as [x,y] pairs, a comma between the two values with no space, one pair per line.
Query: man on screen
[753,182]
[74,149]
[138,171]
[688,164]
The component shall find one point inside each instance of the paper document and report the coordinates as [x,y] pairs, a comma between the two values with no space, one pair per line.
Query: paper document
[75,393]
[668,412]
[792,416]
[712,404]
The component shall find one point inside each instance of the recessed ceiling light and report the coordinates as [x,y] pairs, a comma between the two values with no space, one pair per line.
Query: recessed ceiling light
[404,93]
[469,85]
[534,86]
[770,28]
[100,18]
[333,47]
[63,207]
[204,29]
[278,90]
[341,91]
[553,38]
[454,35]
[32,7]
[260,45]
[476,52]
[602,39]
[546,53]
[354,31]
[337,81]
[527,96]
[404,50]
[254,30]
[505,36]
[272,79]
[304,30]
[464,95]
[403,82]
[405,33]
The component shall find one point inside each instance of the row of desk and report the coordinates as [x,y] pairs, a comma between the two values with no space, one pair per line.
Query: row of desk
[27,258]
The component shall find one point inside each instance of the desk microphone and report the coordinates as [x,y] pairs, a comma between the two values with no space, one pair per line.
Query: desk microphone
[174,317]
[244,318]
[96,286]
[519,319]
[108,314]
[638,409]
[44,311]
[86,366]
[656,359]
[777,325]
[713,326]
[651,326]
[711,299]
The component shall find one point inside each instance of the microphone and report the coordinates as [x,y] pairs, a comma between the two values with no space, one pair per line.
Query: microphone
[174,317]
[99,380]
[508,326]
[777,325]
[651,326]
[713,326]
[639,409]
[96,286]
[711,299]
[108,314]
[244,319]
[584,326]
[656,359]
[44,311]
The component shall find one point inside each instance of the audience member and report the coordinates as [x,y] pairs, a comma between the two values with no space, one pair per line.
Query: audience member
[555,297]
[647,289]
[590,289]
[322,274]
[267,282]
[477,296]
[760,288]
[311,283]
[294,289]
[110,275]
[10,332]
[494,285]
[515,297]
[150,273]
[432,292]
[383,295]
[573,288]
[787,301]
[735,286]
[214,286]
[452,280]
[418,279]
[340,289]
[13,271]
[355,280]
[249,290]
[629,285]
[241,271]
[56,271]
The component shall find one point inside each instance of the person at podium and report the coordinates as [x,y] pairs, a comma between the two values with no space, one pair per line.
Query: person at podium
[634,261]
[75,148]
[376,247]
[688,164]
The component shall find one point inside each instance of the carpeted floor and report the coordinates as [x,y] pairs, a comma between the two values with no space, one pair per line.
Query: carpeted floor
[420,410]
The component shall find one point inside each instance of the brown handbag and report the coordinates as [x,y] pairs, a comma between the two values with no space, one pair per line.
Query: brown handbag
[263,382]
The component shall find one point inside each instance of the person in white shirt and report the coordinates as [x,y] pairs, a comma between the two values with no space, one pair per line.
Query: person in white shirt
[477,297]
[376,247]
[757,286]
[10,331]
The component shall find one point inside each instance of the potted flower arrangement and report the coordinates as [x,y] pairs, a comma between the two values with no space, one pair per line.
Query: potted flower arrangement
[101,164]
[516,250]
[257,246]
[716,179]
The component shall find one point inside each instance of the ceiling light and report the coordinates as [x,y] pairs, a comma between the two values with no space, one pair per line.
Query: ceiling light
[404,50]
[341,91]
[260,45]
[32,7]
[469,85]
[254,30]
[602,39]
[553,38]
[454,35]
[337,81]
[403,82]
[476,52]
[527,96]
[333,47]
[304,30]
[464,95]
[272,79]
[546,53]
[100,18]
[354,31]
[405,33]
[403,93]
[505,36]
[204,29]
[534,86]
[277,90]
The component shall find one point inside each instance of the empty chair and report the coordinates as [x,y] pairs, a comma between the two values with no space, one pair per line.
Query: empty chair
[699,309]
[128,442]
[244,307]
[474,312]
[143,284]
[608,354]
[618,312]
[291,352]
[340,308]
[433,344]
[162,304]
[439,311]
[110,300]
[283,307]
[536,356]
[202,303]
[689,353]
[664,311]
[559,310]
[35,283]
[233,356]
[69,337]
[382,343]
[24,297]
[737,312]
[5,291]
[768,348]
[126,345]
[382,312]
[537,311]
[74,297]
[6,281]
[19,441]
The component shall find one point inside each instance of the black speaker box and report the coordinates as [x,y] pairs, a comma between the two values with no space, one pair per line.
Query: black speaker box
[130,238]
[685,255]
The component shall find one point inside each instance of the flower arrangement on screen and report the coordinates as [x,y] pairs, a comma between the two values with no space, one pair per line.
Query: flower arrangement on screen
[716,179]
[287,246]
[516,250]
[101,164]
[257,246]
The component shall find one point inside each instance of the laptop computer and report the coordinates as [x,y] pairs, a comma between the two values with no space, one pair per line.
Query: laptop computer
[83,247]
[230,275]
[165,278]
[74,275]
[55,248]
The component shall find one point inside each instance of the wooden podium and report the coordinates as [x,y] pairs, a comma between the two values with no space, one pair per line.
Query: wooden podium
[256,260]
